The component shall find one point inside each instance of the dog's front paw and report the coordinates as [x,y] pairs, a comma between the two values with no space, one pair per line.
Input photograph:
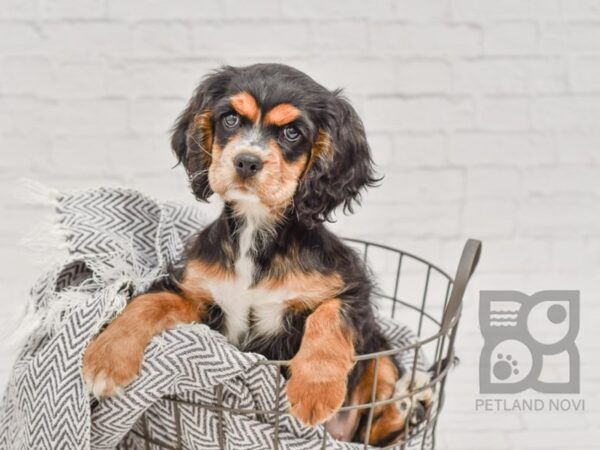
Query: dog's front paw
[314,401]
[414,408]
[111,362]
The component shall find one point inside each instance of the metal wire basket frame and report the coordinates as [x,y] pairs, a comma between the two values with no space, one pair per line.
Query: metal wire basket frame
[443,357]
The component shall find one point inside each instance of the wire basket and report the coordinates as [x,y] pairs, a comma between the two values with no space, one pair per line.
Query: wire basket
[412,291]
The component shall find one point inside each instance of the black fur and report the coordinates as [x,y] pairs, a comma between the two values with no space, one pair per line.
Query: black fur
[330,182]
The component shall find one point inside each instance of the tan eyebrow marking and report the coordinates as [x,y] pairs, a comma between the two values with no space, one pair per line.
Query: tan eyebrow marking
[246,106]
[282,114]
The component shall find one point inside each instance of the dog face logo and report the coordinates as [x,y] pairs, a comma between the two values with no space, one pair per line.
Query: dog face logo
[529,342]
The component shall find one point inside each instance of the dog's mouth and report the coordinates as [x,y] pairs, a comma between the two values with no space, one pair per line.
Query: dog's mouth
[241,192]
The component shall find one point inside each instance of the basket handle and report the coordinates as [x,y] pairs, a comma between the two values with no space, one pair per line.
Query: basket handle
[466,267]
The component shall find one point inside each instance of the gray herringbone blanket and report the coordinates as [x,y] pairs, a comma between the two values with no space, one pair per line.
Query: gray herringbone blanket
[118,242]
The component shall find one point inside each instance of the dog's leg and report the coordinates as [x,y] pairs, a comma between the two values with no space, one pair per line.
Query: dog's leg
[391,424]
[319,371]
[113,359]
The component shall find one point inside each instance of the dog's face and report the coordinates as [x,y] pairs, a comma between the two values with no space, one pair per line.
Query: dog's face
[269,137]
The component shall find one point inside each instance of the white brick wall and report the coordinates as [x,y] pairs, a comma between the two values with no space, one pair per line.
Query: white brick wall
[484,116]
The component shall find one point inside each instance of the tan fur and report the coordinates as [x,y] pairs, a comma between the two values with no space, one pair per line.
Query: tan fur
[198,274]
[282,114]
[245,105]
[113,359]
[202,125]
[275,185]
[315,287]
[322,149]
[388,417]
[319,371]
[277,182]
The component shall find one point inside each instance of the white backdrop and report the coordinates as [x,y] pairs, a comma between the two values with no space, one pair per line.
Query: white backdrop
[483,115]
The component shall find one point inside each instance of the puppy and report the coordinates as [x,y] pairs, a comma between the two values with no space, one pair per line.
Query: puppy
[283,153]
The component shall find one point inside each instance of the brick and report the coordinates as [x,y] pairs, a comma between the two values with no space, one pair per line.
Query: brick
[502,149]
[486,219]
[539,439]
[25,39]
[355,76]
[581,9]
[471,440]
[146,155]
[397,113]
[570,37]
[351,9]
[516,256]
[424,77]
[382,149]
[575,254]
[158,39]
[504,114]
[586,74]
[168,185]
[419,151]
[261,9]
[23,116]
[78,155]
[461,420]
[578,147]
[462,114]
[511,76]
[78,79]
[566,113]
[135,10]
[17,221]
[41,77]
[511,38]
[508,9]
[425,41]
[72,9]
[154,116]
[18,9]
[23,153]
[340,38]
[422,10]
[153,79]
[419,186]
[28,75]
[580,180]
[87,40]
[265,40]
[555,216]
[410,220]
[81,117]
[493,183]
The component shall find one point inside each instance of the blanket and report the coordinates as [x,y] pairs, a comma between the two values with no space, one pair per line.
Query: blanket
[117,243]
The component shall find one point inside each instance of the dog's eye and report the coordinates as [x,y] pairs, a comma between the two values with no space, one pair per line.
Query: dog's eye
[291,133]
[231,120]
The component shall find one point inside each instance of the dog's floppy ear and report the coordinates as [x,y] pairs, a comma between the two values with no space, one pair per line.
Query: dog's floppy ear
[192,137]
[340,166]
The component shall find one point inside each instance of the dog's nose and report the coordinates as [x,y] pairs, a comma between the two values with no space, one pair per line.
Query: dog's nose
[247,165]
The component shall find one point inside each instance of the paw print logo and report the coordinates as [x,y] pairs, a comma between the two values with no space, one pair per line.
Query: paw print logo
[505,367]
[523,333]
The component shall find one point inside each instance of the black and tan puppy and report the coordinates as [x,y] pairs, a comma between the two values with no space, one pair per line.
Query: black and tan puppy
[283,153]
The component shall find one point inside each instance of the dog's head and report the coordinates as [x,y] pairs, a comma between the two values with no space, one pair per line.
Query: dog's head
[268,137]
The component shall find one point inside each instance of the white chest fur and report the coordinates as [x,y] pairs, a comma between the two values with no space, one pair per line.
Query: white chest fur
[242,303]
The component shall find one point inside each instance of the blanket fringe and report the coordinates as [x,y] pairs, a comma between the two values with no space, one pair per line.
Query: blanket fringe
[36,193]
[47,238]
